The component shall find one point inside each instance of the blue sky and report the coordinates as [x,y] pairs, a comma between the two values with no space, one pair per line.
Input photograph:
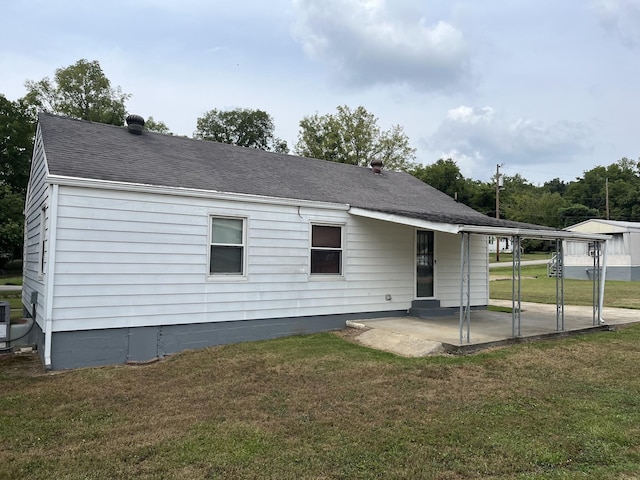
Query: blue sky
[547,89]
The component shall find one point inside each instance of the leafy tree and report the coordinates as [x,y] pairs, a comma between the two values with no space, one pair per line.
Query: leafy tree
[11,224]
[445,176]
[156,126]
[16,137]
[481,196]
[555,186]
[535,207]
[81,91]
[354,137]
[242,127]
[624,190]
[576,213]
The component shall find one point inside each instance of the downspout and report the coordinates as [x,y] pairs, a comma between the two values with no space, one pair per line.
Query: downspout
[49,276]
[602,280]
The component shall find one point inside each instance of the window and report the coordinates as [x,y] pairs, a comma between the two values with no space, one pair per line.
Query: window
[43,240]
[226,256]
[326,250]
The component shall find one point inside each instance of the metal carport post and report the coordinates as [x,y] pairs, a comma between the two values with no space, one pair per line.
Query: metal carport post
[559,285]
[516,287]
[465,288]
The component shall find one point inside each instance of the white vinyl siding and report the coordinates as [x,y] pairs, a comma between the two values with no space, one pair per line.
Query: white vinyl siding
[44,239]
[37,199]
[130,259]
[620,251]
[448,269]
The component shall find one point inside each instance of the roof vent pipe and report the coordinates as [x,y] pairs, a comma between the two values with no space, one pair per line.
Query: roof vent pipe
[376,166]
[135,124]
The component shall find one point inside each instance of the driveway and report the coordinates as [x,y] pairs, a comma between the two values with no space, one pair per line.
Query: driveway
[10,288]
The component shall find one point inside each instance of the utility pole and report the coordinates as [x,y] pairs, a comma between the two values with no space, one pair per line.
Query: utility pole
[498,176]
[606,189]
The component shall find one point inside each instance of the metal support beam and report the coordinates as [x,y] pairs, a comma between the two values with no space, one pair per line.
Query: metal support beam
[559,285]
[516,287]
[596,282]
[465,289]
[603,278]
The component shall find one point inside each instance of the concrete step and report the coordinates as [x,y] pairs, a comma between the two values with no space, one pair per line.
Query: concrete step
[432,312]
[429,308]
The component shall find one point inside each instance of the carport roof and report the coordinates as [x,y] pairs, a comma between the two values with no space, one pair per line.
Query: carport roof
[511,229]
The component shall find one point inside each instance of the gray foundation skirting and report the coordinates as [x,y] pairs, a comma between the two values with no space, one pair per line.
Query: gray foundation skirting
[85,348]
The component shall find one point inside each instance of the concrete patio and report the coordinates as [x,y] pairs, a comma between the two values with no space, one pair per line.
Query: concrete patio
[415,337]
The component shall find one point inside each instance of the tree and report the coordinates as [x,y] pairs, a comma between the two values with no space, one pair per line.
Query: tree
[576,213]
[445,176]
[81,91]
[152,125]
[535,207]
[354,137]
[11,224]
[16,137]
[242,127]
[623,190]
[555,186]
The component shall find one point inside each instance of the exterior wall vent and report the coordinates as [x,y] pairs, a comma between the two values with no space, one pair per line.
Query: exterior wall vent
[135,124]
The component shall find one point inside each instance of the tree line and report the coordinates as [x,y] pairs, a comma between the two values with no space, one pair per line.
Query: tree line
[351,136]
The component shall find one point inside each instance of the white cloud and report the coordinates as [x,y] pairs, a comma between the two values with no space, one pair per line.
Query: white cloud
[620,18]
[368,42]
[477,138]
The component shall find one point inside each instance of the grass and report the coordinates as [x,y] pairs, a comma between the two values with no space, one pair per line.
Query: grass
[10,280]
[321,407]
[15,302]
[537,287]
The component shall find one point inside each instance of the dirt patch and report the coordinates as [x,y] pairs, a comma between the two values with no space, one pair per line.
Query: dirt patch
[504,277]
[21,365]
[350,334]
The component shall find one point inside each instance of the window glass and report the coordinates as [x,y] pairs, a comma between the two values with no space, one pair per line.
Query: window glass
[325,236]
[226,255]
[326,250]
[225,260]
[226,230]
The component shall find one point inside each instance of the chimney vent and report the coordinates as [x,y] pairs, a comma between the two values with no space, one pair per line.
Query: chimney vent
[376,166]
[135,124]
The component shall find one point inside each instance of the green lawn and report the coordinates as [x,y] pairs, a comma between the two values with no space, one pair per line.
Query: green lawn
[537,287]
[320,407]
[10,280]
[15,300]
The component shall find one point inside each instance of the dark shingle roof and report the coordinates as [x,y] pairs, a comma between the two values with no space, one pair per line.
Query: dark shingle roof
[82,149]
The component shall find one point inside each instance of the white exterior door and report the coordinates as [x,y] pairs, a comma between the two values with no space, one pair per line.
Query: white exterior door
[424,264]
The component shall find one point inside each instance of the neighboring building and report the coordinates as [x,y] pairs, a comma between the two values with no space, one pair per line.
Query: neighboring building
[622,251]
[505,244]
[142,245]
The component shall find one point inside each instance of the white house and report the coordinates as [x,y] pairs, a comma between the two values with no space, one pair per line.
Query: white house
[506,244]
[623,250]
[138,245]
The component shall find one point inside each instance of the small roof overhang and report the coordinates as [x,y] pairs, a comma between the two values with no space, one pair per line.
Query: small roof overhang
[546,234]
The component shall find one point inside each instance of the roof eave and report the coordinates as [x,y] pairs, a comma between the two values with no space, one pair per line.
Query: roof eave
[187,192]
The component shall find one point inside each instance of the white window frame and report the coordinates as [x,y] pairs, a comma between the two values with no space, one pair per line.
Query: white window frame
[342,249]
[228,275]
